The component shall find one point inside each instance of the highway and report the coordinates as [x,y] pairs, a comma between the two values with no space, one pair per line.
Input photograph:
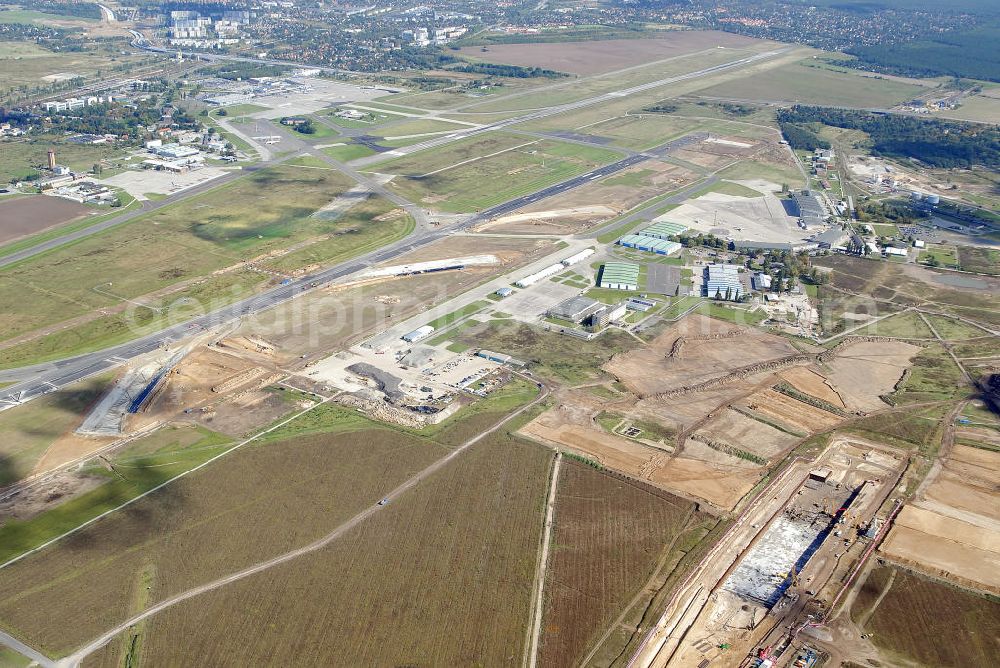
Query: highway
[34,381]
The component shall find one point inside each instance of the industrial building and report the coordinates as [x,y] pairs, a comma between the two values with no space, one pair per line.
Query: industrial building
[662,229]
[531,279]
[649,244]
[499,358]
[419,334]
[173,151]
[892,251]
[578,257]
[620,276]
[574,309]
[722,281]
[605,315]
[504,292]
[761,281]
[810,207]
[639,304]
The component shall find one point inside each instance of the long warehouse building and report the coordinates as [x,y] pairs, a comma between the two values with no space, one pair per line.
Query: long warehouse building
[531,279]
[649,244]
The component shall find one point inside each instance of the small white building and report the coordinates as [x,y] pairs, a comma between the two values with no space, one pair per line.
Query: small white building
[419,334]
[919,243]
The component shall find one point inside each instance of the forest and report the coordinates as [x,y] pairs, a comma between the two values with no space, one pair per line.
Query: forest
[934,142]
[971,54]
[513,71]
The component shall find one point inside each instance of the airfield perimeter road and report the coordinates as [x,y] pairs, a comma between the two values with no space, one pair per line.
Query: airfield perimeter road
[34,381]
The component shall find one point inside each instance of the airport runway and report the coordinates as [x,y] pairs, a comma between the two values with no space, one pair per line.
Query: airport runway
[37,380]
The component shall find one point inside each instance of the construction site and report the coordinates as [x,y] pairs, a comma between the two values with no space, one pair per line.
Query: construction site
[762,597]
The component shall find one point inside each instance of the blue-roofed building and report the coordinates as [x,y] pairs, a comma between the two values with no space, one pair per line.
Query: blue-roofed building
[722,281]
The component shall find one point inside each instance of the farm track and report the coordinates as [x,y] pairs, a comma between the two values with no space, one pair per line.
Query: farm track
[77,657]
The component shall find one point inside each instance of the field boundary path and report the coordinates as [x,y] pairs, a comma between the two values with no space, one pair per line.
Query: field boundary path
[77,657]
[538,606]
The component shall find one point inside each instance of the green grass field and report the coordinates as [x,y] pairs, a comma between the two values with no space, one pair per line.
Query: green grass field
[348,152]
[267,210]
[19,159]
[452,178]
[801,82]
[31,428]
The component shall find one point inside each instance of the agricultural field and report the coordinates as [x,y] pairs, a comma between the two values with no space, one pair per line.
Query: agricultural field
[609,538]
[88,490]
[329,478]
[919,620]
[401,589]
[451,179]
[294,486]
[23,216]
[805,82]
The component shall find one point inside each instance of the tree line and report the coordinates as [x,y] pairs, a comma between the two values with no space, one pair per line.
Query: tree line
[935,142]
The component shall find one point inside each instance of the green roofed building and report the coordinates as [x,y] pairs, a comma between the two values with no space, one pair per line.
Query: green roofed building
[662,230]
[620,276]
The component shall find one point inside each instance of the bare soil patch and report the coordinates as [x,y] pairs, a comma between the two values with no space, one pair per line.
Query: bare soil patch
[597,57]
[864,371]
[811,382]
[22,216]
[722,485]
[946,547]
[746,433]
[650,370]
[792,412]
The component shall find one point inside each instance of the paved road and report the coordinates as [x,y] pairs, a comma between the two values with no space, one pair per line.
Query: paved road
[77,657]
[30,652]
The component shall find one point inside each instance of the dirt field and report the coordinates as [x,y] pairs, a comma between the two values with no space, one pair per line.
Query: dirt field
[792,412]
[720,480]
[752,435]
[809,381]
[928,622]
[700,472]
[945,546]
[866,370]
[440,578]
[967,482]
[26,215]
[649,370]
[607,538]
[596,57]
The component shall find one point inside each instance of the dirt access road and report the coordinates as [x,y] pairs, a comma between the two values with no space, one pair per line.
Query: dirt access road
[81,654]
